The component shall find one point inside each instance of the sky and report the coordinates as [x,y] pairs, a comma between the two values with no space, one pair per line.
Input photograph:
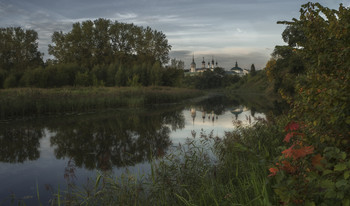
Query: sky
[226,30]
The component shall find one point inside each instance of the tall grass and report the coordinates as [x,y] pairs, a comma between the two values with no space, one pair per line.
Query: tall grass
[23,102]
[206,170]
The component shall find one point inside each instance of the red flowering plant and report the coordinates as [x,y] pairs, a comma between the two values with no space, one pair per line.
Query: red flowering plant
[314,168]
[294,166]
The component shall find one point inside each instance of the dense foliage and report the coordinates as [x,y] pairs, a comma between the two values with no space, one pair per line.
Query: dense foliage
[93,53]
[101,41]
[18,52]
[210,79]
[315,167]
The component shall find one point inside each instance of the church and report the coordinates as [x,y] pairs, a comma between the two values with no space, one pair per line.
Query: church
[236,70]
[203,68]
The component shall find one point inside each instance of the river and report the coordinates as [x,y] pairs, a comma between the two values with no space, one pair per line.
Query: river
[46,154]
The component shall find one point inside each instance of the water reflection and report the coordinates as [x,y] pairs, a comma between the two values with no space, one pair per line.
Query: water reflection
[19,143]
[118,139]
[94,141]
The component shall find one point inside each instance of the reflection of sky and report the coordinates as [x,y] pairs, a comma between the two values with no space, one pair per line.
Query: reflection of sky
[224,122]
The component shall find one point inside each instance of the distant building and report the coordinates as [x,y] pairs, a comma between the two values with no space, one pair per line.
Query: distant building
[236,70]
[210,66]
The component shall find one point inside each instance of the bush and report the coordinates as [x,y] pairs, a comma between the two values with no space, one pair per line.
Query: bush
[10,81]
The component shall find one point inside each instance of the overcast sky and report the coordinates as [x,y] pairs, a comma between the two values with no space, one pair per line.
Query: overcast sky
[228,30]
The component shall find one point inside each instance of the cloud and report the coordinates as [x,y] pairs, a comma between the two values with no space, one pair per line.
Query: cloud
[125,16]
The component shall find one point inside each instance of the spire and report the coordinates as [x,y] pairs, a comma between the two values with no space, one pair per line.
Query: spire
[236,64]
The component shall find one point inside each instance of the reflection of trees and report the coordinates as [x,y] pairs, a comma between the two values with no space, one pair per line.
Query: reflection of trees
[261,103]
[218,104]
[111,140]
[19,143]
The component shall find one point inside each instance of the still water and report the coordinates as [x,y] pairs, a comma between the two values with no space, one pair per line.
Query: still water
[48,153]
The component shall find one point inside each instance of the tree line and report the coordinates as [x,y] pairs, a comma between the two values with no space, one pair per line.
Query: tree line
[99,52]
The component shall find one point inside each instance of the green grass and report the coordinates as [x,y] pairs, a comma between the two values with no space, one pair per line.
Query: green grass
[206,170]
[24,102]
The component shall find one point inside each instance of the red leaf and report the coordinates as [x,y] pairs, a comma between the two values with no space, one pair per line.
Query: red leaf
[288,152]
[292,126]
[302,152]
[273,171]
[288,167]
[288,136]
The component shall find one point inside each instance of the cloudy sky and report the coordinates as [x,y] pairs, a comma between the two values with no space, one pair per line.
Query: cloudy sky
[228,30]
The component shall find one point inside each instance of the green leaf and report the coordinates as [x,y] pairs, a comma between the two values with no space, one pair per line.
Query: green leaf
[326,172]
[340,167]
[341,183]
[308,203]
[328,184]
[343,155]
[346,202]
[346,175]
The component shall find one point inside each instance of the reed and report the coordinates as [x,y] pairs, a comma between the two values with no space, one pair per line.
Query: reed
[206,170]
[24,102]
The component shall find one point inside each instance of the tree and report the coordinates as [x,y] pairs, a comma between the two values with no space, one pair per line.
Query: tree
[177,64]
[103,42]
[18,52]
[252,70]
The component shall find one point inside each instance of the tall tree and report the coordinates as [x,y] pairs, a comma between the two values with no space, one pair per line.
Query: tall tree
[19,49]
[103,42]
[252,70]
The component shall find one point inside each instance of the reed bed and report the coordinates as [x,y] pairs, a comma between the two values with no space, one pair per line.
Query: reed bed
[206,170]
[24,102]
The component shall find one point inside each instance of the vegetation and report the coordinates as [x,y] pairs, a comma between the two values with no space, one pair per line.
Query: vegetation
[314,168]
[310,158]
[255,83]
[307,152]
[206,170]
[93,53]
[26,102]
[210,79]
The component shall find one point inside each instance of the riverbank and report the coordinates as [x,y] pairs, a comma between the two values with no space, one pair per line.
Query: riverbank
[33,102]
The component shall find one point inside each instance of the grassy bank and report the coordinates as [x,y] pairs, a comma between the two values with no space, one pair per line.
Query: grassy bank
[205,171]
[23,102]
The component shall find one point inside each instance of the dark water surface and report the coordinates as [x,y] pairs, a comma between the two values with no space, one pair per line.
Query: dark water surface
[46,154]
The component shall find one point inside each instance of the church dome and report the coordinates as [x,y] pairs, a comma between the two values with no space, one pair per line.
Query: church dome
[236,68]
